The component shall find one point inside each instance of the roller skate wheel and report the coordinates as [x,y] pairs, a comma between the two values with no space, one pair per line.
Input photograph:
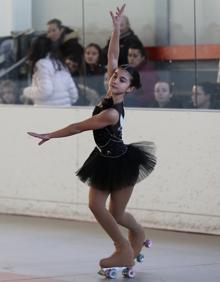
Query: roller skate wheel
[140,258]
[111,273]
[129,273]
[124,272]
[148,243]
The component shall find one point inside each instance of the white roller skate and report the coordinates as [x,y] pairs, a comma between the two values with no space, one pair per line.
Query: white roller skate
[111,272]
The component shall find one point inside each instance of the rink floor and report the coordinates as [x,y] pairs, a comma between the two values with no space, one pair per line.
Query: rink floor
[51,250]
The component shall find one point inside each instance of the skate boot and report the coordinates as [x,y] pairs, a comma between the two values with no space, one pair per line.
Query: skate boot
[123,256]
[121,260]
[137,240]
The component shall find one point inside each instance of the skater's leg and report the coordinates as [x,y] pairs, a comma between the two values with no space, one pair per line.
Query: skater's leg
[118,202]
[123,256]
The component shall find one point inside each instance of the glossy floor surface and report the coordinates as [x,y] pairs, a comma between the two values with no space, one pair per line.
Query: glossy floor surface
[49,250]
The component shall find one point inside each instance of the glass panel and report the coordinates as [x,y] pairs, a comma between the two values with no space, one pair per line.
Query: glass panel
[137,31]
[157,38]
[176,63]
[206,89]
[50,83]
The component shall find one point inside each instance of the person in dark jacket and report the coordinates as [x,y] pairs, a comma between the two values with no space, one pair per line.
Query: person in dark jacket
[127,38]
[64,39]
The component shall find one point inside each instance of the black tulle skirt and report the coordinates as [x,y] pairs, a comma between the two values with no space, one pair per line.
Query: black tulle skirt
[112,174]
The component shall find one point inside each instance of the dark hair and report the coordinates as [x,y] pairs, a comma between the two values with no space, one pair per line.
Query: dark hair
[139,46]
[57,22]
[41,47]
[135,82]
[209,88]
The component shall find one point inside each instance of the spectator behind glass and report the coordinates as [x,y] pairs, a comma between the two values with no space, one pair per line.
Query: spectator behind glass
[54,30]
[64,38]
[127,38]
[205,95]
[144,96]
[7,53]
[87,96]
[164,97]
[8,92]
[52,83]
[93,68]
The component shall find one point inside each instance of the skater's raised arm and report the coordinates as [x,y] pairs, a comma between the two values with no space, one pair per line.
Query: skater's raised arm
[113,49]
[105,118]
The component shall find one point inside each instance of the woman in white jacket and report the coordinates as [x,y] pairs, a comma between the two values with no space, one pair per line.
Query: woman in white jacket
[52,83]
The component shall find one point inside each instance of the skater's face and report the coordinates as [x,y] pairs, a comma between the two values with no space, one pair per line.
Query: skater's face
[120,82]
[162,92]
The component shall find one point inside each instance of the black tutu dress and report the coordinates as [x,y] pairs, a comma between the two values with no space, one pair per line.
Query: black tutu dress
[114,165]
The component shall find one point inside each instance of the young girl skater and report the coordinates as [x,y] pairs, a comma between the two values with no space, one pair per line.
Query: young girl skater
[113,168]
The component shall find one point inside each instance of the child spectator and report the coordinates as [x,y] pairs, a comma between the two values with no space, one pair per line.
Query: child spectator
[52,83]
[8,92]
[93,68]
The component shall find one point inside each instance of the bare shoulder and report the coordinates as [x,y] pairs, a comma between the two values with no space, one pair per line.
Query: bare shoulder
[110,115]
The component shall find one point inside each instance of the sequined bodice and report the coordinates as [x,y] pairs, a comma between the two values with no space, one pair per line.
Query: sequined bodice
[109,139]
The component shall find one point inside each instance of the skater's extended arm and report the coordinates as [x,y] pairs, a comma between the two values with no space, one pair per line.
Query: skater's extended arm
[105,118]
[113,49]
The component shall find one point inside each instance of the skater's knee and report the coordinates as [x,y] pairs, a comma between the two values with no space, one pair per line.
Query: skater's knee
[95,206]
[117,216]
[92,206]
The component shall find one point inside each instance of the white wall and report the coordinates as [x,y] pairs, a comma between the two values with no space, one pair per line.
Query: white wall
[207,22]
[22,15]
[5,17]
[181,194]
[15,15]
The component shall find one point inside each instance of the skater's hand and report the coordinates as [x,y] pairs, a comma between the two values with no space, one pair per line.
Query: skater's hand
[44,137]
[117,16]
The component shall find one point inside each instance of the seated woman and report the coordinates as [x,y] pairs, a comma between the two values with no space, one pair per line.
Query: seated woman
[205,95]
[164,97]
[52,83]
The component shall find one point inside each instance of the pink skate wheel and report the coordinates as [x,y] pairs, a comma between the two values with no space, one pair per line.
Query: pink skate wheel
[148,243]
